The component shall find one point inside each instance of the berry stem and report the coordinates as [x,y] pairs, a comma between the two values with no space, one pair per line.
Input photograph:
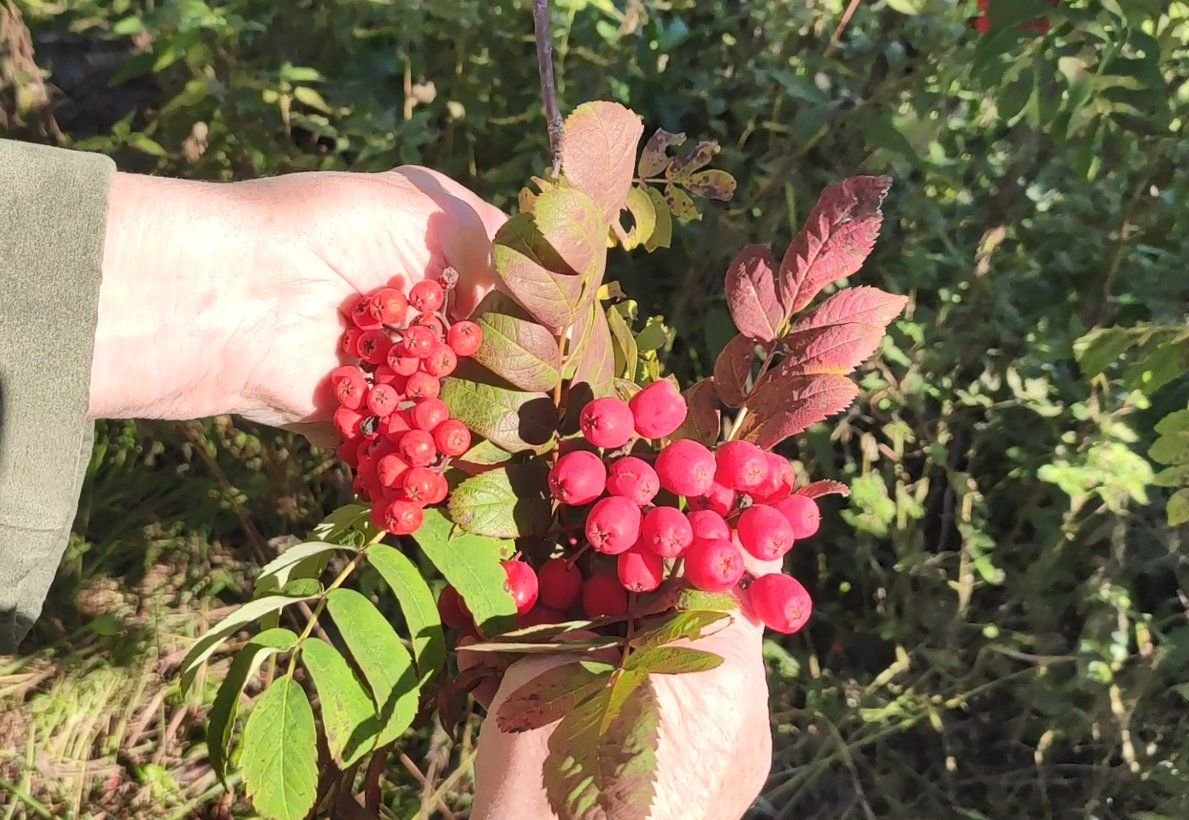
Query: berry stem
[544,35]
[769,357]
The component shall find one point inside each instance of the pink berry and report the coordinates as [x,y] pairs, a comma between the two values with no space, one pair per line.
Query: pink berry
[773,486]
[640,570]
[561,583]
[603,595]
[522,583]
[633,478]
[780,602]
[718,498]
[802,514]
[349,385]
[666,531]
[607,422]
[765,532]
[429,412]
[708,525]
[416,448]
[713,566]
[452,437]
[613,525]
[382,400]
[685,467]
[389,469]
[658,410]
[578,477]
[741,465]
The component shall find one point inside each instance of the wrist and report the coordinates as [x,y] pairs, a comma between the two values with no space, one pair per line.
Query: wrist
[174,293]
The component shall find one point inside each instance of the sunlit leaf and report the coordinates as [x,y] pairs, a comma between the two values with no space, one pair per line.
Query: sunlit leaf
[784,405]
[655,156]
[417,603]
[511,419]
[732,369]
[599,151]
[519,350]
[751,294]
[507,502]
[552,695]
[279,757]
[348,714]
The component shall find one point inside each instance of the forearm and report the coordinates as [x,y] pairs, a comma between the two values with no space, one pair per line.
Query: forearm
[176,290]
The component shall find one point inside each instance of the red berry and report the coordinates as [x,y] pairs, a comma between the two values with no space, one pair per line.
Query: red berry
[420,484]
[382,400]
[397,423]
[780,602]
[741,465]
[765,532]
[452,437]
[522,583]
[388,306]
[402,364]
[441,361]
[348,421]
[713,566]
[417,448]
[774,485]
[578,477]
[421,385]
[418,342]
[603,595]
[361,313]
[453,610]
[390,468]
[464,338]
[439,491]
[640,570]
[401,517]
[433,323]
[607,422]
[349,385]
[708,525]
[427,296]
[685,467]
[561,583]
[348,450]
[613,525]
[633,478]
[802,514]
[386,375]
[658,410]
[373,346]
[666,531]
[540,615]
[717,498]
[428,413]
[349,342]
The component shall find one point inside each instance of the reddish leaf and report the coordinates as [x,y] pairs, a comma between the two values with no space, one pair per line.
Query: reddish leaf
[704,420]
[837,349]
[602,756]
[514,348]
[751,294]
[571,224]
[598,153]
[836,239]
[525,264]
[783,405]
[655,157]
[593,353]
[822,488]
[867,305]
[732,368]
[551,696]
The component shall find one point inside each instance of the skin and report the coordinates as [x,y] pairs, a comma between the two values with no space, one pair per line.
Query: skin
[220,298]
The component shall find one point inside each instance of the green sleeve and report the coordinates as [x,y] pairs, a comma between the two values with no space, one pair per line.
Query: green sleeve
[53,206]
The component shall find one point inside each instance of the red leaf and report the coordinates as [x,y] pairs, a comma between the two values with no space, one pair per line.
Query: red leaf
[867,305]
[822,488]
[840,232]
[593,353]
[550,696]
[784,405]
[836,349]
[598,153]
[704,421]
[751,294]
[732,369]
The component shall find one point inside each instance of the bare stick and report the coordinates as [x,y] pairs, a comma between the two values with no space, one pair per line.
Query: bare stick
[544,34]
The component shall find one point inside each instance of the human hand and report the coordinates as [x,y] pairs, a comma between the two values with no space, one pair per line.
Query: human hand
[223,298]
[714,749]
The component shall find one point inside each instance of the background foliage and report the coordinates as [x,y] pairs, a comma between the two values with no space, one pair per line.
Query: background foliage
[1002,602]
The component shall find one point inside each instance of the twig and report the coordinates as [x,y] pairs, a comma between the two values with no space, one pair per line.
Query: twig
[836,37]
[371,780]
[436,797]
[544,33]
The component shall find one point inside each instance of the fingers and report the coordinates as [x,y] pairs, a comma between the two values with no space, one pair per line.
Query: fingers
[462,233]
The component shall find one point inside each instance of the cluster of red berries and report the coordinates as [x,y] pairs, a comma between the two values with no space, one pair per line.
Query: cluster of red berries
[397,433]
[682,509]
